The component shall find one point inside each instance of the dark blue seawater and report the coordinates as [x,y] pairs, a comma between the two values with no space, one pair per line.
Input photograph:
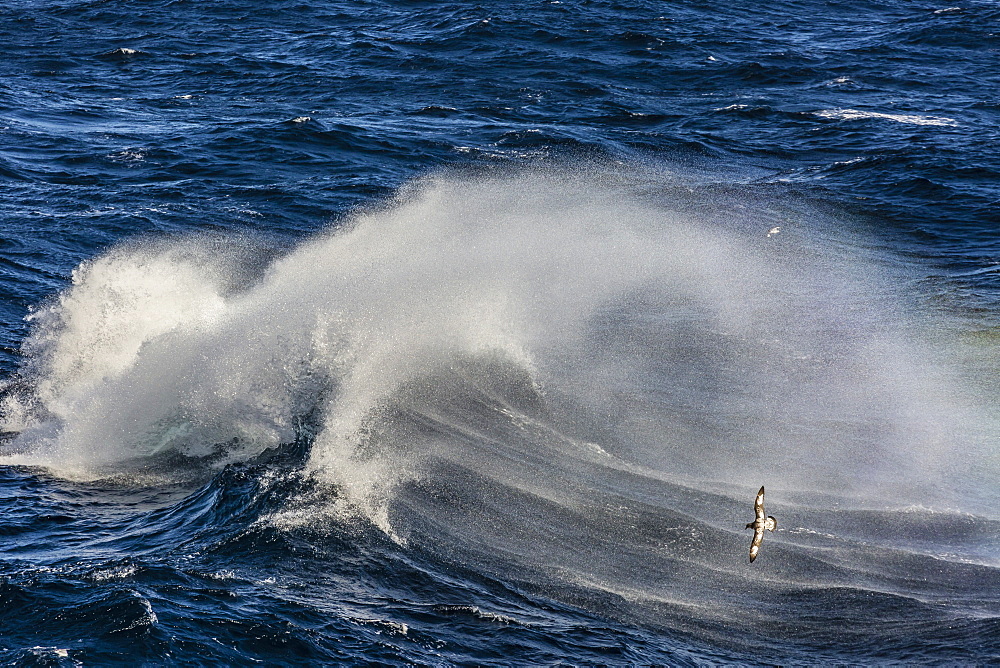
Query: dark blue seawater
[464,334]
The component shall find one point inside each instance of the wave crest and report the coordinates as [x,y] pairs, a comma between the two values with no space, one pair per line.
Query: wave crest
[646,320]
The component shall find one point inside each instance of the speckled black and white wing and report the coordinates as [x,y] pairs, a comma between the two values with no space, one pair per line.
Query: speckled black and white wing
[758,536]
[760,523]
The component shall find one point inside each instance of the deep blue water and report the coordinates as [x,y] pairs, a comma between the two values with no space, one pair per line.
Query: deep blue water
[448,333]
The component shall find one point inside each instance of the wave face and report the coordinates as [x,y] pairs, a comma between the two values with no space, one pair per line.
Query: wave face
[570,381]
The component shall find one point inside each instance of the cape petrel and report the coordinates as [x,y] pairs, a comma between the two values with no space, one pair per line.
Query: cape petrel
[759,524]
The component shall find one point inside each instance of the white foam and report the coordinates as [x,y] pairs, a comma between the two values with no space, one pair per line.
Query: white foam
[147,619]
[124,51]
[911,119]
[114,573]
[387,625]
[128,155]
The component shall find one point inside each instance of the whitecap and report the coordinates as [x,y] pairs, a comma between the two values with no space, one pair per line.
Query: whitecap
[226,574]
[59,652]
[124,51]
[912,119]
[114,573]
[128,156]
[478,613]
[148,617]
[393,628]
[840,81]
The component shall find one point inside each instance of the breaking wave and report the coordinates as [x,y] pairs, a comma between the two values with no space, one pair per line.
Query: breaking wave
[574,380]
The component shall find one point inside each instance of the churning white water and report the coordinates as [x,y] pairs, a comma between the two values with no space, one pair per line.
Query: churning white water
[695,334]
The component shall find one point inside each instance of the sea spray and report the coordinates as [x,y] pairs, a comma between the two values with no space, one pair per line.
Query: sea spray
[638,313]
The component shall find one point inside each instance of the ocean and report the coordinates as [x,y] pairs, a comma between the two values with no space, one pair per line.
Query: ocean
[434,333]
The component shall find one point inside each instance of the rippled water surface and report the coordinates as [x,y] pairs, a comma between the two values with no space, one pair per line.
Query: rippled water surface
[449,333]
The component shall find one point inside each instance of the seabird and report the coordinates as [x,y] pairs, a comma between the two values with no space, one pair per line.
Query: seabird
[759,524]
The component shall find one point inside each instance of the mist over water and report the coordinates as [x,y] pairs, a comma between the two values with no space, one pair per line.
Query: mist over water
[692,332]
[567,379]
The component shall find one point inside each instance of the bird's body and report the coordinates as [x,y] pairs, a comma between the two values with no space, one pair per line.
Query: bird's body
[760,523]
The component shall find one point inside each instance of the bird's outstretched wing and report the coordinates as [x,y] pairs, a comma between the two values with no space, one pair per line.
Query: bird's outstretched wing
[758,505]
[758,536]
